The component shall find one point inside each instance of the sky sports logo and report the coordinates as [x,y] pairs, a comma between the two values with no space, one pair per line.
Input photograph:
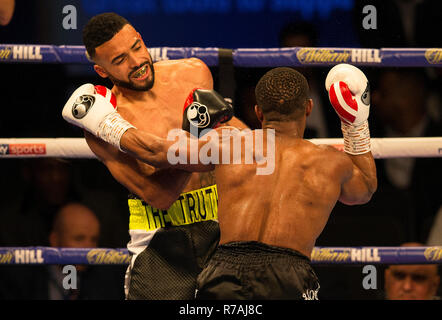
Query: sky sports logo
[22,149]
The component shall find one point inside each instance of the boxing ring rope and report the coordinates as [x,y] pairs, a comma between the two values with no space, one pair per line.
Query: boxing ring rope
[320,255]
[253,57]
[259,57]
[382,148]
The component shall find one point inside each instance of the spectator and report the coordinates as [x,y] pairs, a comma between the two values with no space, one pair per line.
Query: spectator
[304,34]
[404,24]
[411,282]
[435,236]
[400,106]
[298,34]
[48,183]
[245,95]
[75,226]
[400,23]
[27,216]
[294,34]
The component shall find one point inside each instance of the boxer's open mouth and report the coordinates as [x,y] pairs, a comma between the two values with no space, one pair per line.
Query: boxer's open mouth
[141,73]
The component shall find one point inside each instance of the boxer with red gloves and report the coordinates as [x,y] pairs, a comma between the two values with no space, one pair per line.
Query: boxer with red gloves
[349,93]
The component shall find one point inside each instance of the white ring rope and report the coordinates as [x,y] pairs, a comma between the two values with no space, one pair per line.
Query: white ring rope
[381,148]
[45,147]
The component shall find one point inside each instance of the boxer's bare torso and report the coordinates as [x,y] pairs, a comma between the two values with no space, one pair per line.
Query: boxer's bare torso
[157,111]
[288,208]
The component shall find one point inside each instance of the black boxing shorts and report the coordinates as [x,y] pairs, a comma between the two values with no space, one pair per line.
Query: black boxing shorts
[169,248]
[257,271]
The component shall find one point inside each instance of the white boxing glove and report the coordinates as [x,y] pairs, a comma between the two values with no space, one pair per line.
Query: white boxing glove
[349,93]
[93,108]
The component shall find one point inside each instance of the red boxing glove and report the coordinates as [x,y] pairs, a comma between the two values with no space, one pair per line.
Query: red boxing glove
[349,93]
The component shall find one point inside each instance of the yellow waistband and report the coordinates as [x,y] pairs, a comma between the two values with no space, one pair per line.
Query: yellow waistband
[193,206]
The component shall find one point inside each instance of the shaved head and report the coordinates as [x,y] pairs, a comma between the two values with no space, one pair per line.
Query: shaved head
[411,282]
[75,226]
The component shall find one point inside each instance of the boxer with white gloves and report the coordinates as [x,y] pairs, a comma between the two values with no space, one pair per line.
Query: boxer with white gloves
[93,108]
[349,93]
[171,235]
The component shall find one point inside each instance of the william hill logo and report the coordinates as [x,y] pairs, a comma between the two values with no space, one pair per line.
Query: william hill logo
[324,55]
[434,56]
[365,255]
[312,55]
[433,254]
[21,52]
[5,53]
[158,54]
[28,256]
[345,255]
[329,255]
[107,256]
[6,257]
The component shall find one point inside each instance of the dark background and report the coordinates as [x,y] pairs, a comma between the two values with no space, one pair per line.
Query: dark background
[32,96]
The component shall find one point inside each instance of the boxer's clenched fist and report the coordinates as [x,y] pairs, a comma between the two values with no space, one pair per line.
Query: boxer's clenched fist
[349,94]
[205,109]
